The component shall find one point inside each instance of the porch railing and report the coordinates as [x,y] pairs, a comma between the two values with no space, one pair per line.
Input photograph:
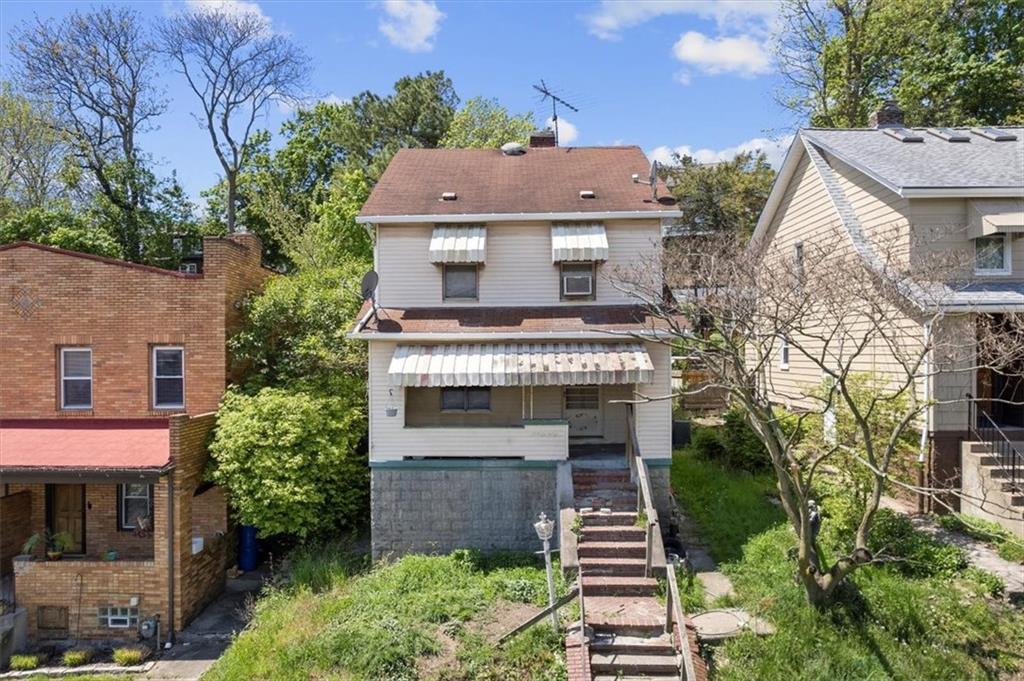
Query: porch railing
[644,500]
[983,428]
[674,617]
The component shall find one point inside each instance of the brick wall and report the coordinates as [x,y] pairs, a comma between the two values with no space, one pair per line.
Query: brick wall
[15,517]
[120,311]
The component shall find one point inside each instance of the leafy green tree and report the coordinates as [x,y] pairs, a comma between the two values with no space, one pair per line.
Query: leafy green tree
[62,229]
[295,329]
[946,62]
[721,197]
[291,460]
[485,124]
[34,157]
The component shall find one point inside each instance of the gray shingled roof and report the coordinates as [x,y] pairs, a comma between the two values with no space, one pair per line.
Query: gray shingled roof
[933,163]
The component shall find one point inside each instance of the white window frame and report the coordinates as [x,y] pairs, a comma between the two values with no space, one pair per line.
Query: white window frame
[784,353]
[153,376]
[563,275]
[1007,267]
[114,617]
[123,522]
[63,378]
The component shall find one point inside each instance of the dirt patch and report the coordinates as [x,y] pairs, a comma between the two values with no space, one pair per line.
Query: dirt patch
[491,624]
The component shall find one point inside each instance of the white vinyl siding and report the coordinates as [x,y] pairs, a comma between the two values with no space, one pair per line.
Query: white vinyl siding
[518,272]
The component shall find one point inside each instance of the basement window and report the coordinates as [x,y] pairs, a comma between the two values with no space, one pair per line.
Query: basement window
[114,617]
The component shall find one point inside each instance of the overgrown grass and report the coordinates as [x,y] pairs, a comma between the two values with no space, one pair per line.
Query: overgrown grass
[340,619]
[885,625]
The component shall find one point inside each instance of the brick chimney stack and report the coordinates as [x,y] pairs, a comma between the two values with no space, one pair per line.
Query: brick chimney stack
[888,115]
[542,138]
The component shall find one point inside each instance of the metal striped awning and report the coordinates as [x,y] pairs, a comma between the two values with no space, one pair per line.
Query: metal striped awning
[458,244]
[995,216]
[518,364]
[578,242]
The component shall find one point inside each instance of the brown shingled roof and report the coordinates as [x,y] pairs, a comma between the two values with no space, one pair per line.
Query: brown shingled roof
[543,180]
[513,320]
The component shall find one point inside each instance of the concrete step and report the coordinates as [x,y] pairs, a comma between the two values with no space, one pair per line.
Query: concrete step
[596,518]
[633,645]
[621,567]
[644,677]
[633,664]
[641,628]
[613,533]
[614,585]
[616,549]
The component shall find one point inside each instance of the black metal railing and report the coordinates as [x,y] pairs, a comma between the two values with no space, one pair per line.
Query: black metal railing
[983,428]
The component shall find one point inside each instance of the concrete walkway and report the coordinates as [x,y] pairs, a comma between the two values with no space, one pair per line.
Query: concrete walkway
[209,634]
[979,554]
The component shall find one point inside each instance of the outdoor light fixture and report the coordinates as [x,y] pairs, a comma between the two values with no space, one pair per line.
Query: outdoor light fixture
[545,529]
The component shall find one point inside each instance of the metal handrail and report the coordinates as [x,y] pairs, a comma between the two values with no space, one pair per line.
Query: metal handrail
[644,502]
[1009,457]
[674,614]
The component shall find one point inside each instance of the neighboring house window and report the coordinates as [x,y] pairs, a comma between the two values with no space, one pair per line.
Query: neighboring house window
[168,377]
[783,353]
[134,506]
[460,282]
[992,255]
[798,256]
[75,378]
[578,280]
[189,268]
[465,399]
[117,618]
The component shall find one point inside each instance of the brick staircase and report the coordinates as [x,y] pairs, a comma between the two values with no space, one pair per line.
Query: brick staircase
[622,612]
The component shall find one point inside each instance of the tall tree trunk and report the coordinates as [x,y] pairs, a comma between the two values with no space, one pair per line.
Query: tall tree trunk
[232,197]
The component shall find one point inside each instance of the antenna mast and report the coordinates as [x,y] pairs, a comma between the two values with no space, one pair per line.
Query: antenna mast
[555,101]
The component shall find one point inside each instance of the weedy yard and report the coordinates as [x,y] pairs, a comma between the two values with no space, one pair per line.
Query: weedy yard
[926,615]
[421,617]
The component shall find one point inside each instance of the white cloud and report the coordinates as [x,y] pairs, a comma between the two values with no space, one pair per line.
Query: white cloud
[567,132]
[774,150]
[228,7]
[411,24]
[683,77]
[290,106]
[614,16]
[738,54]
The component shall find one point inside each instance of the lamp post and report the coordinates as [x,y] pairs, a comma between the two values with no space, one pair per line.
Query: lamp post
[545,527]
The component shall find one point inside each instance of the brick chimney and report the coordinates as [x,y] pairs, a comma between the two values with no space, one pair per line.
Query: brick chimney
[888,115]
[542,138]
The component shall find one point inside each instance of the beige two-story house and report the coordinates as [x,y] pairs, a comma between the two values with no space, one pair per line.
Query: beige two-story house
[913,193]
[501,348]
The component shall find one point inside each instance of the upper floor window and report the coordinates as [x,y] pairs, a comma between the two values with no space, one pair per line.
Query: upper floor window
[578,280]
[992,255]
[465,399]
[75,378]
[168,377]
[461,282]
[783,353]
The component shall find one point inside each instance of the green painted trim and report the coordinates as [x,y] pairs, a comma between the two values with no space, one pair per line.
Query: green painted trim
[658,463]
[460,464]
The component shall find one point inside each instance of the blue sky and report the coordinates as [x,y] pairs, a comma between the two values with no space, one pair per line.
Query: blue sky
[693,76]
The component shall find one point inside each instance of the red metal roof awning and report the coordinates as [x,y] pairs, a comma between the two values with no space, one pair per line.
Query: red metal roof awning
[67,445]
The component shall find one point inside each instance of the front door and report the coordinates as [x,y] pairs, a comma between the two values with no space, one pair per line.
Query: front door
[583,410]
[67,513]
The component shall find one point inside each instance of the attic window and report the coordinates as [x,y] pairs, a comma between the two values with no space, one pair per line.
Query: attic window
[449,196]
[904,135]
[950,135]
[995,134]
[588,194]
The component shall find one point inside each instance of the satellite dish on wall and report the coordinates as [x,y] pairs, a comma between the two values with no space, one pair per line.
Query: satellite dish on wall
[369,285]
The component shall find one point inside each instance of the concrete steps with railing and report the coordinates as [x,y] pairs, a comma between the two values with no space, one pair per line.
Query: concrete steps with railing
[987,490]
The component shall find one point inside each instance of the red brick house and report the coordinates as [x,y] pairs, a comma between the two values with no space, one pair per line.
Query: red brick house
[110,374]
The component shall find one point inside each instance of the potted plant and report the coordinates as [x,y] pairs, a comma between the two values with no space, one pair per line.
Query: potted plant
[29,546]
[57,544]
[110,554]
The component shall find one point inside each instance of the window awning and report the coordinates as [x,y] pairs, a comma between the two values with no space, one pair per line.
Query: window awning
[995,216]
[458,244]
[519,364]
[578,242]
[84,444]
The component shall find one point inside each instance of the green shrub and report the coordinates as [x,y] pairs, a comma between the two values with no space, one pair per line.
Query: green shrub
[76,657]
[744,448]
[25,662]
[130,656]
[707,444]
[914,553]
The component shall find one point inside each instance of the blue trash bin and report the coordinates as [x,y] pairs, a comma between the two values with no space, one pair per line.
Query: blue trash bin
[248,554]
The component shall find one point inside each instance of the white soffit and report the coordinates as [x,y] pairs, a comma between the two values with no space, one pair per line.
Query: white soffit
[520,364]
[458,244]
[578,242]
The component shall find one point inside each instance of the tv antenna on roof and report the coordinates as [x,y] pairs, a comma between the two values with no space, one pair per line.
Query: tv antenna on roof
[555,101]
[652,179]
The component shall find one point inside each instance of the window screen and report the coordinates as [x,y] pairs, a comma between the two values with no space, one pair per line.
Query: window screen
[465,399]
[990,254]
[460,281]
[136,503]
[168,377]
[577,280]
[76,378]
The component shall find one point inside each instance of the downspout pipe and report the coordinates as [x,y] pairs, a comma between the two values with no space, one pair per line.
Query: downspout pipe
[926,423]
[170,557]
